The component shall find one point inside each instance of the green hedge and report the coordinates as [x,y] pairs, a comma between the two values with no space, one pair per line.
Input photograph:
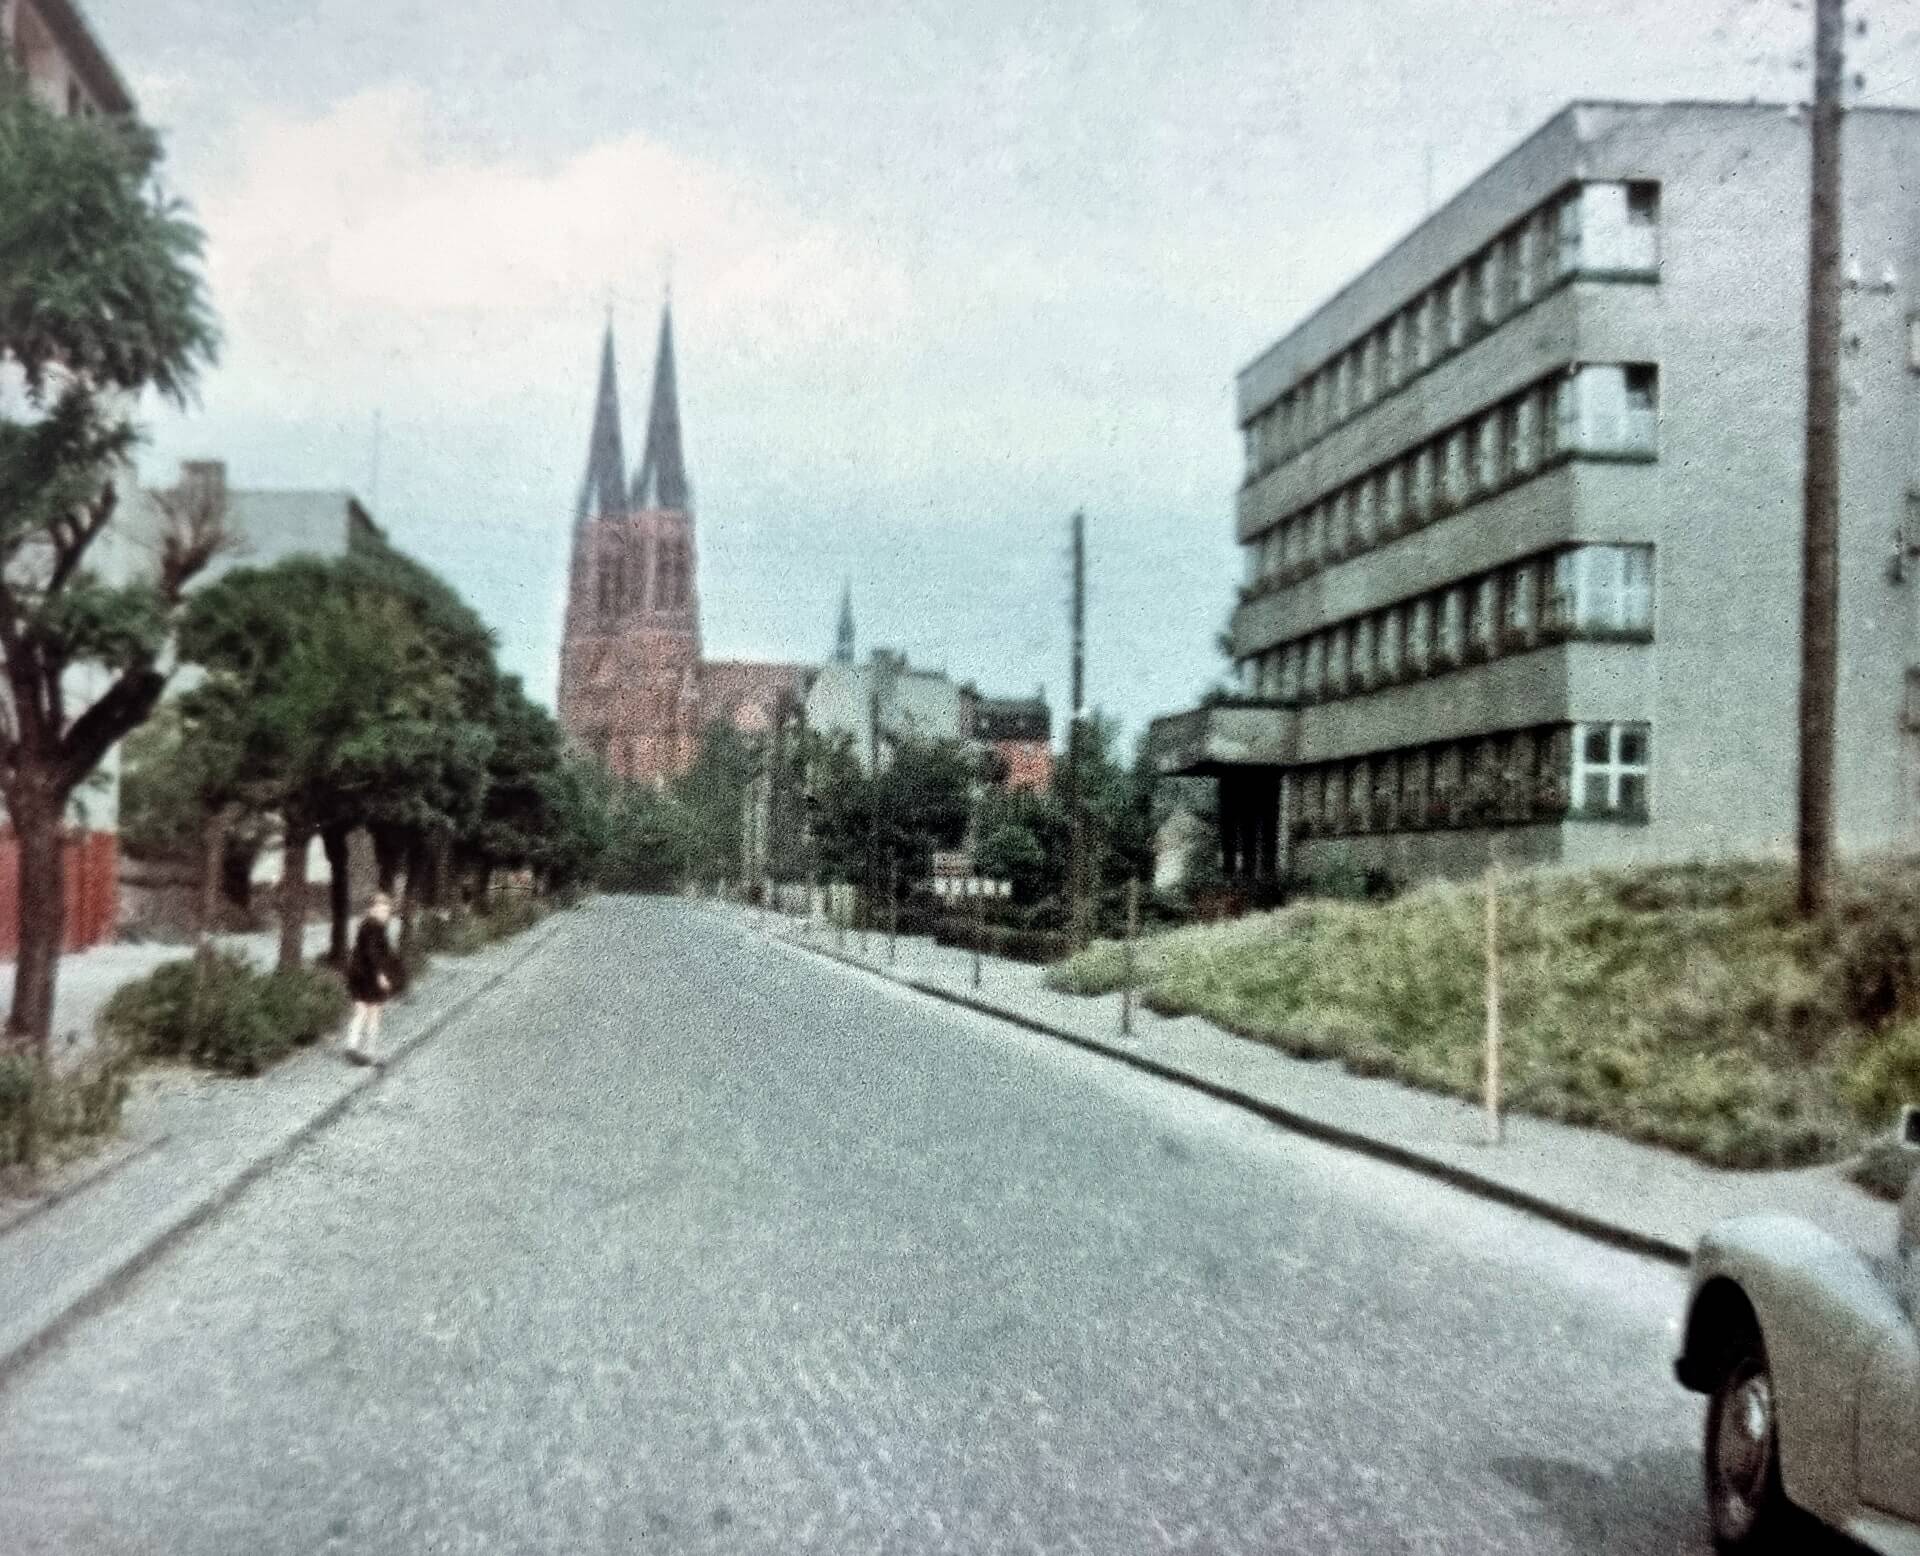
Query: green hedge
[223,1014]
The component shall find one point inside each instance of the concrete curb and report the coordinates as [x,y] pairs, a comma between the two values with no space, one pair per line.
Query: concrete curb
[1596,1228]
[101,1286]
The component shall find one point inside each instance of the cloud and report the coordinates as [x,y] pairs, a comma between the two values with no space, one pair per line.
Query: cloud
[355,248]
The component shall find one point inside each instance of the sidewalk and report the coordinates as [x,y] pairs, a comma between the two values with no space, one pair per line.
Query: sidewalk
[87,979]
[1635,1196]
[190,1142]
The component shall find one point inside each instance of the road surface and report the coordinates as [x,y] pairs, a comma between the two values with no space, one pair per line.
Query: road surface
[688,1242]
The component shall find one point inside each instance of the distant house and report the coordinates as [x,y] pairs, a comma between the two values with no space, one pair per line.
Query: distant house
[50,44]
[1018,730]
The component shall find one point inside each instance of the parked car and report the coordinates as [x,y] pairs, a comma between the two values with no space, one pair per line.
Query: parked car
[1808,1354]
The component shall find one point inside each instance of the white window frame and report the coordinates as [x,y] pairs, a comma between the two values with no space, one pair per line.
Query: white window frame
[1613,769]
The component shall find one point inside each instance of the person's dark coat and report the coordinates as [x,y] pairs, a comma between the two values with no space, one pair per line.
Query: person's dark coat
[372,956]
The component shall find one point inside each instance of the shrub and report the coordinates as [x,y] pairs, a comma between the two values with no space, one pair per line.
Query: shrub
[221,1013]
[460,932]
[43,1110]
[510,914]
[1885,1075]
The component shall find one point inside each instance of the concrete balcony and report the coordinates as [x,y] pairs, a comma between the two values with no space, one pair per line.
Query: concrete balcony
[1209,740]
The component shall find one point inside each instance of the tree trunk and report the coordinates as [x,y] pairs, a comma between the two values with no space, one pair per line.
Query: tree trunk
[43,911]
[334,840]
[237,858]
[389,853]
[213,836]
[416,883]
[293,892]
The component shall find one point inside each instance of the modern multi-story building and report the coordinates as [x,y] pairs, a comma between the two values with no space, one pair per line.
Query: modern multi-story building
[50,44]
[1522,517]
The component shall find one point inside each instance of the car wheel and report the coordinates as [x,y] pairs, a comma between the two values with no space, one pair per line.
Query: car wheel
[1746,1507]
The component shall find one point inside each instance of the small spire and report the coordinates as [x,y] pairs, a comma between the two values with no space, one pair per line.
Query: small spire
[662,481]
[603,491]
[843,653]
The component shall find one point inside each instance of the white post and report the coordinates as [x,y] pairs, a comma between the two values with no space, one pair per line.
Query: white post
[1495,1131]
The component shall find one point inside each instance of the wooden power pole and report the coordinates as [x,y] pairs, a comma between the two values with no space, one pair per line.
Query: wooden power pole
[1819,599]
[1076,817]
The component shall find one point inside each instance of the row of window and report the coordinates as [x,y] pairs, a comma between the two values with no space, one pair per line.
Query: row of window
[619,588]
[1609,410]
[1507,779]
[1597,228]
[1581,591]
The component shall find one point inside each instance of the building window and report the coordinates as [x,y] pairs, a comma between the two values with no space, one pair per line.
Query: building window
[1520,265]
[1420,636]
[1393,497]
[1610,408]
[1393,351]
[1519,606]
[1443,799]
[1620,228]
[1413,789]
[1336,662]
[1420,487]
[1603,589]
[1522,423]
[1567,233]
[1449,629]
[1453,479]
[1610,769]
[1389,651]
[1361,653]
[1492,273]
[1385,773]
[1426,328]
[1488,439]
[1290,672]
[1357,795]
[1313,668]
[1482,609]
[1459,309]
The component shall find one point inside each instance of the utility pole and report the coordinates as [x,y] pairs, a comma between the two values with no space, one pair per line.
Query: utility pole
[1076,817]
[1819,599]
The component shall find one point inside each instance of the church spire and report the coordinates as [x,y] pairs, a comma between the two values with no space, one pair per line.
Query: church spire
[843,639]
[662,481]
[603,491]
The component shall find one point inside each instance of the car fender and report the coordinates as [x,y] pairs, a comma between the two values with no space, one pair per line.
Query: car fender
[1822,1311]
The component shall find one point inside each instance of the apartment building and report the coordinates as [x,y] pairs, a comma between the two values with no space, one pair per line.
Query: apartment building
[1521,517]
[51,45]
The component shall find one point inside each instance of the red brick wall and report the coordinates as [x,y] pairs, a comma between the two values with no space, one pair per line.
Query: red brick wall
[92,890]
[1029,763]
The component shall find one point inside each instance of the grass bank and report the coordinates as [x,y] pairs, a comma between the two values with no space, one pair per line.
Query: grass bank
[1684,1006]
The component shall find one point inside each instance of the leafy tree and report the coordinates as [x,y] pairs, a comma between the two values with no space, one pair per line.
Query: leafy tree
[100,299]
[711,798]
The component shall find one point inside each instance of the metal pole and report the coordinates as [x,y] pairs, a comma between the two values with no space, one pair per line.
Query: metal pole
[1127,973]
[893,908]
[1495,1129]
[1819,603]
[979,927]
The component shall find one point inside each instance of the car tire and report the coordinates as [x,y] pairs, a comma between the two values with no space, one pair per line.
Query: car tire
[1747,1509]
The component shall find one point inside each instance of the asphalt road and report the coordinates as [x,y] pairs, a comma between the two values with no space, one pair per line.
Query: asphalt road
[687,1242]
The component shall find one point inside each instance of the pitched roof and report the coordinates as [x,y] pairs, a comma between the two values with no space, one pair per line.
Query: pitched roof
[662,481]
[603,490]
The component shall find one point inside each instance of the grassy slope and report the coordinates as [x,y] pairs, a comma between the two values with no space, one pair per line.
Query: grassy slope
[1680,1005]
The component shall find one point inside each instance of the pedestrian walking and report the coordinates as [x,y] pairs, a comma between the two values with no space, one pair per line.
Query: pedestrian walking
[373,973]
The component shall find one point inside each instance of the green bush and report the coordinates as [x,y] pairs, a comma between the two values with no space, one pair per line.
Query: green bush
[1885,1075]
[459,932]
[45,1112]
[222,1014]
[511,914]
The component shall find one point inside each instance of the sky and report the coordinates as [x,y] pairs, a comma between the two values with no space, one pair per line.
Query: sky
[941,273]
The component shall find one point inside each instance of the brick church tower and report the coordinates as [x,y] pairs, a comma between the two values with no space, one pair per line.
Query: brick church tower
[630,670]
